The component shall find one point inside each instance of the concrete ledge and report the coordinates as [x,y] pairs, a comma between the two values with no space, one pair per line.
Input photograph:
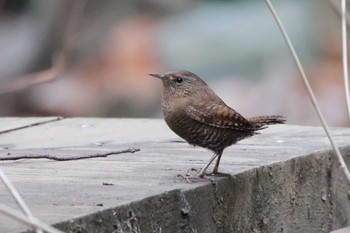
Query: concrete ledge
[304,194]
[284,180]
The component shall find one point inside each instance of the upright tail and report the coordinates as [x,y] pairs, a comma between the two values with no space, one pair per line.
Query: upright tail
[260,122]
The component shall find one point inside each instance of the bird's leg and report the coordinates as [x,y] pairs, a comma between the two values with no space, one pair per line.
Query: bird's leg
[216,168]
[204,169]
[202,173]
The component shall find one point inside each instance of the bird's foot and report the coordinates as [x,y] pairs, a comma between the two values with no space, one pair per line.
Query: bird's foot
[201,174]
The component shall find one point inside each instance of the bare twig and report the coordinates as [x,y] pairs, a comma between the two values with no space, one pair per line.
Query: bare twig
[17,197]
[309,90]
[31,222]
[29,80]
[340,7]
[345,54]
[337,6]
[59,62]
[56,158]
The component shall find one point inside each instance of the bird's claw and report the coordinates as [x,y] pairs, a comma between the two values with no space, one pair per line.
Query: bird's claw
[198,175]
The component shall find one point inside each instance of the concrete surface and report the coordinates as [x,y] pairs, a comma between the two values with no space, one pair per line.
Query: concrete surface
[283,180]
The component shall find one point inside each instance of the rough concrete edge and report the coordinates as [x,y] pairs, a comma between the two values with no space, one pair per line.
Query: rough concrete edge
[303,194]
[306,193]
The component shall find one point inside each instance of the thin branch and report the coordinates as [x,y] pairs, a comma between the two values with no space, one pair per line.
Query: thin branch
[59,62]
[345,54]
[337,6]
[29,80]
[20,202]
[309,90]
[34,222]
[340,7]
[67,158]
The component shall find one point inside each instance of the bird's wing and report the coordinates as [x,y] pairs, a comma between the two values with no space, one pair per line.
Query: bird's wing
[218,115]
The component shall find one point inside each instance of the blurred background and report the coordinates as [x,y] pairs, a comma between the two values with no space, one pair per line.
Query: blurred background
[91,58]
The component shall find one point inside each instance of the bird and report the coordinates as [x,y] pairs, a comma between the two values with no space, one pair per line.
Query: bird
[194,112]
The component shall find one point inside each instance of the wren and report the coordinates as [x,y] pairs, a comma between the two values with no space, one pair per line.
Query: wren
[195,113]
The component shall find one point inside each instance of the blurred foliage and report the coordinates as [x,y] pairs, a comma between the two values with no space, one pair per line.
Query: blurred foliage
[232,44]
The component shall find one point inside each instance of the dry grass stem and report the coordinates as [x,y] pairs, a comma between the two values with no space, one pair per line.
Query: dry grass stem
[309,90]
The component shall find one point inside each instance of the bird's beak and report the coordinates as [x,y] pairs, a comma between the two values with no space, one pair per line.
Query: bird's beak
[160,76]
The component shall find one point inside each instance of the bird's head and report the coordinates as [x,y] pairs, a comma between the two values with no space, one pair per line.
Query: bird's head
[180,83]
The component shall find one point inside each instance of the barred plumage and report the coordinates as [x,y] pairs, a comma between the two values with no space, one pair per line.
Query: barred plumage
[195,113]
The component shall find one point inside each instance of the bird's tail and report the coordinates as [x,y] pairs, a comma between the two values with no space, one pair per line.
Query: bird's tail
[261,121]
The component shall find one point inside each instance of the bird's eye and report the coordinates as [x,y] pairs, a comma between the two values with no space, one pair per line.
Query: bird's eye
[179,79]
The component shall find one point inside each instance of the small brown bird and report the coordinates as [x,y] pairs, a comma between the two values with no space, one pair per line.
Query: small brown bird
[195,113]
